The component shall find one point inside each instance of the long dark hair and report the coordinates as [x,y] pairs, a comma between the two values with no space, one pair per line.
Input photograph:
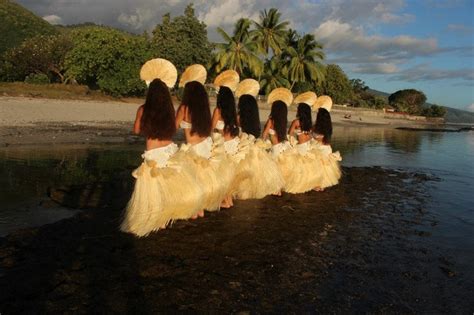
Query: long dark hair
[323,125]
[226,103]
[304,115]
[279,115]
[249,116]
[158,116]
[196,99]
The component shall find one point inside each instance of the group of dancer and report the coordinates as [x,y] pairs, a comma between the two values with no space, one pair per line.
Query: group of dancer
[226,155]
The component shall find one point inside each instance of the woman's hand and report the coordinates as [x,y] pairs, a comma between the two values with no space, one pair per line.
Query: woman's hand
[138,119]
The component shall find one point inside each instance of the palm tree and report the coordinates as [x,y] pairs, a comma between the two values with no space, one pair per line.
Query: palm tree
[302,62]
[272,76]
[238,51]
[270,33]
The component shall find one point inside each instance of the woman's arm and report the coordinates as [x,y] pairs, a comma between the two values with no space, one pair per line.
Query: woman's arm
[216,115]
[294,125]
[138,118]
[179,115]
[268,126]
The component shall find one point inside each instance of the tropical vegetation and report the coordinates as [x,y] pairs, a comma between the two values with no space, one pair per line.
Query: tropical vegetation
[109,60]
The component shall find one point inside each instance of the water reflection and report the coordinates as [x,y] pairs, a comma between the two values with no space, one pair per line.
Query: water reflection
[27,172]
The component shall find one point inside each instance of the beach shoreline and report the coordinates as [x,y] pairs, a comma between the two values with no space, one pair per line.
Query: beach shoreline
[25,121]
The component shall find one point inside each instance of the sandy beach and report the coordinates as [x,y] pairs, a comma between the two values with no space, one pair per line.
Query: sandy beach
[50,121]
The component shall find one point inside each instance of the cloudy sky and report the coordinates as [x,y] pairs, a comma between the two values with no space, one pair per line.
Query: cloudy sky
[423,44]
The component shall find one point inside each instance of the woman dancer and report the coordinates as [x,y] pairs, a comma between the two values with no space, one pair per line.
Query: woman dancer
[265,177]
[329,161]
[275,128]
[235,147]
[304,176]
[249,118]
[206,155]
[165,190]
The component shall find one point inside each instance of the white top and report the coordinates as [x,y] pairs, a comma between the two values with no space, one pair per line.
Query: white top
[303,148]
[279,148]
[220,125]
[161,155]
[325,149]
[232,146]
[203,148]
[271,132]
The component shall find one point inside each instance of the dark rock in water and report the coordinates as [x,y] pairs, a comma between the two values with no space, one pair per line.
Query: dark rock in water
[95,195]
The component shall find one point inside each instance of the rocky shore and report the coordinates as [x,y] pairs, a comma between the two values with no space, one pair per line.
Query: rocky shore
[362,247]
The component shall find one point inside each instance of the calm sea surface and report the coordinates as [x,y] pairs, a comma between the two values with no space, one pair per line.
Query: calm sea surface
[26,172]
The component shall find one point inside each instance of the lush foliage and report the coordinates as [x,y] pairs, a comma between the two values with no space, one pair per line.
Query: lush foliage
[363,97]
[109,59]
[37,78]
[37,55]
[434,111]
[409,101]
[302,61]
[17,24]
[337,85]
[273,77]
[270,33]
[295,60]
[239,51]
[182,40]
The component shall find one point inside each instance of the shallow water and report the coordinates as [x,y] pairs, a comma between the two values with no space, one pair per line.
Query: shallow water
[26,172]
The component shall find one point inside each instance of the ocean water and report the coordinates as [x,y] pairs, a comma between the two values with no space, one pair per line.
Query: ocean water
[26,172]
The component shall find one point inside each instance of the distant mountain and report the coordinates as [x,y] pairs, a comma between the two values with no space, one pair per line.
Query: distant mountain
[453,115]
[17,24]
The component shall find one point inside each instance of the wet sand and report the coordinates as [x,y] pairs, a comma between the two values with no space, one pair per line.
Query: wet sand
[361,247]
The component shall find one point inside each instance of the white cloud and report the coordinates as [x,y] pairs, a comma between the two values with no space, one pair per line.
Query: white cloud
[424,72]
[227,12]
[460,28]
[53,19]
[376,68]
[470,107]
[345,39]
[140,19]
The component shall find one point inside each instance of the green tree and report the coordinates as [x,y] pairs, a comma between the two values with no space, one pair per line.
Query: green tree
[272,76]
[358,86]
[337,85]
[109,59]
[408,100]
[270,33]
[18,24]
[434,111]
[238,51]
[182,40]
[303,61]
[40,54]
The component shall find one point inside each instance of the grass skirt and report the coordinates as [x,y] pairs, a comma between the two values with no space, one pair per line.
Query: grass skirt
[262,175]
[329,163]
[161,195]
[214,174]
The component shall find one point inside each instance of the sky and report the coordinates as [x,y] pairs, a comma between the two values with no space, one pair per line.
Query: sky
[427,45]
